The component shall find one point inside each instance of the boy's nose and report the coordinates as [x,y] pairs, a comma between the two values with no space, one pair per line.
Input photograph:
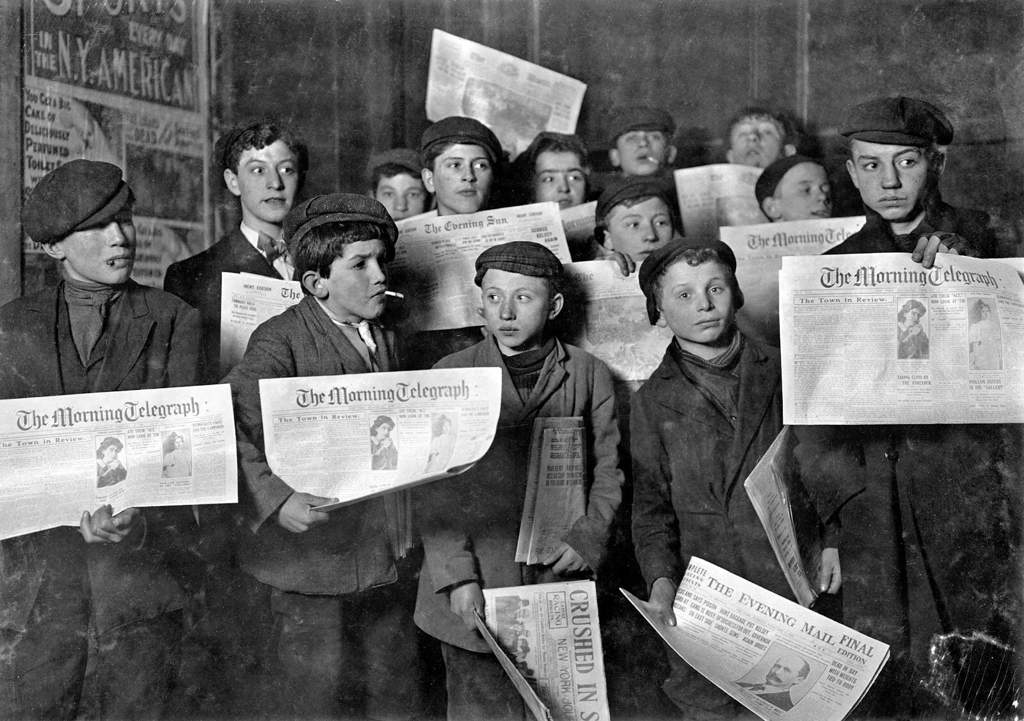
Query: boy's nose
[890,177]
[508,311]
[274,180]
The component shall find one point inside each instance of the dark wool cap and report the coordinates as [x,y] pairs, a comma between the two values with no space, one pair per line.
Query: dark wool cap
[771,176]
[630,187]
[519,256]
[457,129]
[898,121]
[658,262]
[639,117]
[76,196]
[403,157]
[338,208]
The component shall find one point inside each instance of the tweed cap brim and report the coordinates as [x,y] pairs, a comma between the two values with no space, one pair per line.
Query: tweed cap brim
[519,256]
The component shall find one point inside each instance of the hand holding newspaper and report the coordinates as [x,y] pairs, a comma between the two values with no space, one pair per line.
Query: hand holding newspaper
[352,437]
[778,659]
[63,455]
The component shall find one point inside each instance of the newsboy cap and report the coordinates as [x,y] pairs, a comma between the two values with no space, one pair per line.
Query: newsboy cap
[657,263]
[639,117]
[338,208]
[771,176]
[457,129]
[402,157]
[519,256]
[898,121]
[76,196]
[630,187]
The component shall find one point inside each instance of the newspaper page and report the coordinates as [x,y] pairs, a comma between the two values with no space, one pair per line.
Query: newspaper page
[514,98]
[555,487]
[578,223]
[246,300]
[879,339]
[530,698]
[777,658]
[63,455]
[759,250]
[799,557]
[552,634]
[606,314]
[711,196]
[435,259]
[1017,263]
[352,437]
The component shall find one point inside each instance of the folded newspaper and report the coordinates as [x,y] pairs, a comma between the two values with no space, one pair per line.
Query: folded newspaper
[777,658]
[711,196]
[63,455]
[548,640]
[246,300]
[352,437]
[880,339]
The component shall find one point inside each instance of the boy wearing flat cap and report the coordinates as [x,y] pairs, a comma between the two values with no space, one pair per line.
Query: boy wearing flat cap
[794,188]
[330,575]
[460,157]
[641,140]
[396,182]
[263,164]
[634,217]
[95,331]
[697,427]
[470,524]
[897,154]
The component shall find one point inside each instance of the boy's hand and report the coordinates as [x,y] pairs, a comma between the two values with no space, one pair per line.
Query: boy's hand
[104,527]
[663,593]
[564,560]
[466,600]
[297,515]
[931,245]
[831,577]
[625,263]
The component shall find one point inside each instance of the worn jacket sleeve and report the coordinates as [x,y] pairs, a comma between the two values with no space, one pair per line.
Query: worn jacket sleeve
[184,355]
[589,535]
[655,526]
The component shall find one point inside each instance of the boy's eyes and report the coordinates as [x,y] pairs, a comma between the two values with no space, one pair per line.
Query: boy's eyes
[907,162]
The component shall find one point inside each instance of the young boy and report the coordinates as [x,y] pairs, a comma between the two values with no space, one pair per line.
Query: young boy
[470,524]
[460,156]
[698,426]
[758,137]
[263,165]
[330,575]
[554,168]
[641,140]
[396,182]
[96,331]
[634,217]
[794,188]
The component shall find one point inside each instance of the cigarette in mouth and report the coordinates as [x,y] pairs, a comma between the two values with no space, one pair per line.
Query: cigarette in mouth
[394,294]
[653,160]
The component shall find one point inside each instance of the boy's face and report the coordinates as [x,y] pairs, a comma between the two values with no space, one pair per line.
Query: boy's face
[355,289]
[517,308]
[639,230]
[756,141]
[265,183]
[642,152]
[98,255]
[403,195]
[460,179]
[698,304]
[559,177]
[892,179]
[803,193]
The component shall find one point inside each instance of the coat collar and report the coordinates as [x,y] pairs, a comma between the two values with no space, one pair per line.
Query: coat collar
[246,257]
[130,329]
[513,410]
[333,339]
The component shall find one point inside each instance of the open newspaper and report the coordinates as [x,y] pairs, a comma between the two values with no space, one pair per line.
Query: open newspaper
[352,437]
[531,700]
[711,196]
[777,658]
[879,338]
[63,455]
[759,250]
[435,258]
[578,223]
[514,98]
[555,486]
[799,554]
[606,315]
[246,300]
[552,636]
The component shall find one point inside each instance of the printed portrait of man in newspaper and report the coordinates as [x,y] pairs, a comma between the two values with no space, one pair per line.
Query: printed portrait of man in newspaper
[783,683]
[177,461]
[912,340]
[383,451]
[109,469]
[983,336]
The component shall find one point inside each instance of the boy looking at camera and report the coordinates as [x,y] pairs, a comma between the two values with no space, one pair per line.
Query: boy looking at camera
[634,217]
[642,140]
[470,524]
[396,182]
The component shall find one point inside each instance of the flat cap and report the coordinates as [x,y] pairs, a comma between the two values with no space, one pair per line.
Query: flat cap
[78,195]
[519,256]
[657,263]
[457,129]
[771,176]
[402,157]
[338,208]
[630,187]
[898,121]
[639,117]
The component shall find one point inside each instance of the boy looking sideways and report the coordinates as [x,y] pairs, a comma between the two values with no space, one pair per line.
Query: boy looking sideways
[794,188]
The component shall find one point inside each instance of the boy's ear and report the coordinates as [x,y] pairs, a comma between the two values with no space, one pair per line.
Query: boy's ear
[788,149]
[428,179]
[770,207]
[55,250]
[671,157]
[613,158]
[852,174]
[661,323]
[556,305]
[313,284]
[729,156]
[231,180]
